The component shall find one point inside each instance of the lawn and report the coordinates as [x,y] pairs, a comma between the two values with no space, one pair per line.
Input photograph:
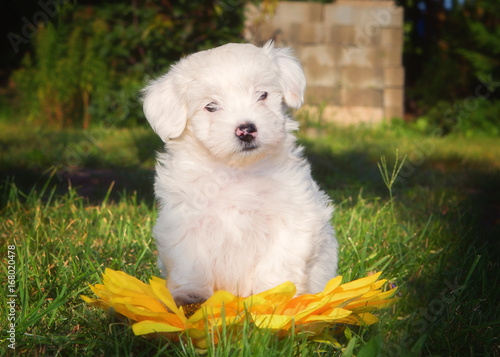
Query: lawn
[74,202]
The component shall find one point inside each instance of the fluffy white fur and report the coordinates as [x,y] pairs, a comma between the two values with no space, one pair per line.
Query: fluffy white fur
[237,213]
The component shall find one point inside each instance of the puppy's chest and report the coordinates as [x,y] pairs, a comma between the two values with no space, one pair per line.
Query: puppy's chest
[226,193]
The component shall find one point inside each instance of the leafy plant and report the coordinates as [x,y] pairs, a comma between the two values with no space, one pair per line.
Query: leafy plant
[389,180]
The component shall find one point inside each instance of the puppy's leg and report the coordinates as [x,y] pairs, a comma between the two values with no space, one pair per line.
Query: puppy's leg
[323,266]
[182,258]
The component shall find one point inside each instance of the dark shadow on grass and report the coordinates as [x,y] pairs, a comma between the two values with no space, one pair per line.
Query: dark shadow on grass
[95,172]
[91,184]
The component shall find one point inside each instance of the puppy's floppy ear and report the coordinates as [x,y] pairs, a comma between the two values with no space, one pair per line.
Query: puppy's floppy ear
[164,107]
[292,78]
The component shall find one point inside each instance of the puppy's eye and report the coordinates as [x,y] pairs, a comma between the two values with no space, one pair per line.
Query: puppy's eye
[263,96]
[212,107]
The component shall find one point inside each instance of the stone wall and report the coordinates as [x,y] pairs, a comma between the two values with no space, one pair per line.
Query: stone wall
[351,52]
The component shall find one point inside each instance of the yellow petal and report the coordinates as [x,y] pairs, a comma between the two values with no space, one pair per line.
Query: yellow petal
[118,289]
[387,294]
[360,283]
[213,306]
[332,285]
[280,294]
[372,305]
[255,303]
[159,280]
[163,317]
[378,284]
[271,321]
[360,319]
[100,291]
[311,308]
[343,296]
[368,318]
[143,301]
[162,293]
[335,314]
[95,302]
[145,327]
[123,280]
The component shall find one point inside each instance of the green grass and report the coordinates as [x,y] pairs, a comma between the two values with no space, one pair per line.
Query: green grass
[436,239]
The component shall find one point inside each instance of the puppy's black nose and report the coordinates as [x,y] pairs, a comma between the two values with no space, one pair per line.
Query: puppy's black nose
[246,132]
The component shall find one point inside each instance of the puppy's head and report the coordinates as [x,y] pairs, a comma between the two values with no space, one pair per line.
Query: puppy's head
[230,99]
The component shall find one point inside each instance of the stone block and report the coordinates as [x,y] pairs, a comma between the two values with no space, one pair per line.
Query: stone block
[393,98]
[366,35]
[338,14]
[361,97]
[342,115]
[392,38]
[394,112]
[394,77]
[354,56]
[352,115]
[340,35]
[389,57]
[377,16]
[318,55]
[321,95]
[321,76]
[358,36]
[298,12]
[352,77]
[310,33]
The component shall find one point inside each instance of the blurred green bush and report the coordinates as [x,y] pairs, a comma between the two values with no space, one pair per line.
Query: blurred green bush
[454,66]
[87,66]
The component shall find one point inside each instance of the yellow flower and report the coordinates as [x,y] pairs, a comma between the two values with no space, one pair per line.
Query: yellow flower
[152,309]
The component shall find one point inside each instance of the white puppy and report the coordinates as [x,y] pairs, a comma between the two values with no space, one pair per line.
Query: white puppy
[239,210]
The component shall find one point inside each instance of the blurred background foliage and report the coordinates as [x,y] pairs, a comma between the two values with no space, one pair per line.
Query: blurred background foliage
[452,65]
[87,63]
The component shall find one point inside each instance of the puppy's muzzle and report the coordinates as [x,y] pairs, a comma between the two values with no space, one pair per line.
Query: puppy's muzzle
[246,132]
